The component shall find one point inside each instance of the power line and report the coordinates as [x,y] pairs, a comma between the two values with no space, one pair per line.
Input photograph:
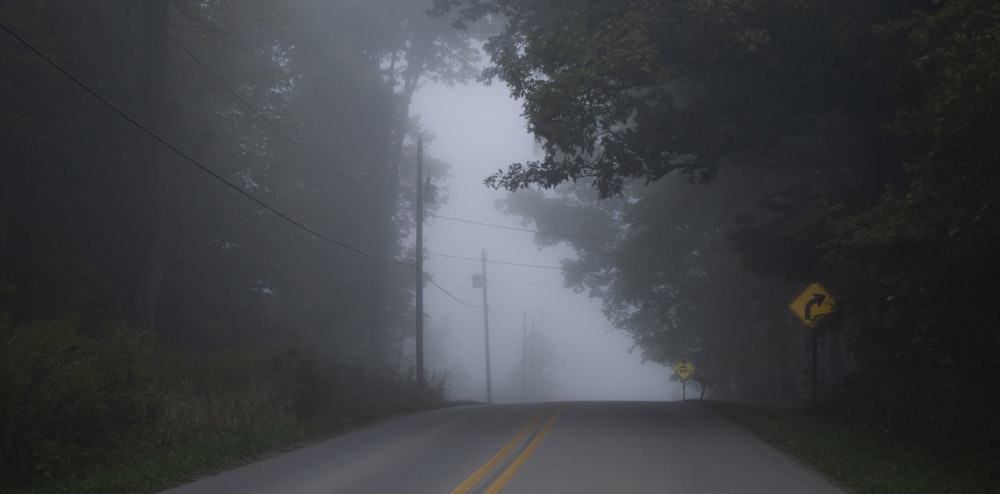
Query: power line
[446,292]
[517,282]
[493,225]
[502,329]
[523,308]
[246,103]
[536,266]
[187,157]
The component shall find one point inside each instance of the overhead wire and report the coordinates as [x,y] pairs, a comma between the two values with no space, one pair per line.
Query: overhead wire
[187,157]
[518,282]
[502,329]
[246,103]
[312,155]
[526,308]
[330,167]
[529,230]
[489,310]
[446,292]
[507,263]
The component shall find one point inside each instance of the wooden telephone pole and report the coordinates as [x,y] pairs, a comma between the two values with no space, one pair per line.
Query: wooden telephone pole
[486,333]
[419,269]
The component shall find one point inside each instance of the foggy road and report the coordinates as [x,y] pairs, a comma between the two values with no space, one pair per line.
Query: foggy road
[597,447]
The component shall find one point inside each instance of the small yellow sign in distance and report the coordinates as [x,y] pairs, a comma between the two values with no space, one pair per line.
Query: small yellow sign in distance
[684,369]
[813,303]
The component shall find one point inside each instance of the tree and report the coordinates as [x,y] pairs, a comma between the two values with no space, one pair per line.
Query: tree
[633,90]
[294,114]
[541,362]
[409,47]
[899,224]
[932,237]
[664,268]
[156,17]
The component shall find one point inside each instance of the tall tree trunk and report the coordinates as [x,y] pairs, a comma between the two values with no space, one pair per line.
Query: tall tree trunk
[156,17]
[387,195]
[377,338]
[5,177]
[383,241]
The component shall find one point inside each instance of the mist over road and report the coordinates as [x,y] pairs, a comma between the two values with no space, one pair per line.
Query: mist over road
[582,447]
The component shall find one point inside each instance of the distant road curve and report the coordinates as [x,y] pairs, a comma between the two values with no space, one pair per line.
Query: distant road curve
[579,447]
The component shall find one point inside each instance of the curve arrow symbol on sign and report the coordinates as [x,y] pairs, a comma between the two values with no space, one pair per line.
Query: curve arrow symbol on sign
[812,303]
[818,299]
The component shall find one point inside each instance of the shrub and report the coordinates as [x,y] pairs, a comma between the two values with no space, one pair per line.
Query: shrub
[70,402]
[64,396]
[48,388]
[206,396]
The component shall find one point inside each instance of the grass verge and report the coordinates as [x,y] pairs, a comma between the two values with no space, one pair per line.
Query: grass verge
[864,461]
[119,412]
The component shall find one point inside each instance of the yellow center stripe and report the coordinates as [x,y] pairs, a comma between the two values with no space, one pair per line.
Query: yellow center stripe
[478,475]
[502,481]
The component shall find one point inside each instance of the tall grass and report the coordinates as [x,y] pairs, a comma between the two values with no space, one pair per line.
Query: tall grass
[71,404]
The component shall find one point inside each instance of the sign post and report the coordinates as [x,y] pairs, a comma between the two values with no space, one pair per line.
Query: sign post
[683,369]
[810,306]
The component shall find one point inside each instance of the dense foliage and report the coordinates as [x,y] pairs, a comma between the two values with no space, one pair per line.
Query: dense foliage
[215,175]
[852,143]
[302,105]
[74,404]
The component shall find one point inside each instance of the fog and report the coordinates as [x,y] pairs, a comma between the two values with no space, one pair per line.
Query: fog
[479,129]
[209,212]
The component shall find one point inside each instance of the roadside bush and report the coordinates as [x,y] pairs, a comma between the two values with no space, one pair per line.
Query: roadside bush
[70,403]
[308,384]
[210,395]
[65,396]
[48,387]
[123,359]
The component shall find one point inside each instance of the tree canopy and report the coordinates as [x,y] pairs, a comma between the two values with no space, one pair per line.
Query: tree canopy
[301,105]
[183,178]
[850,142]
[616,91]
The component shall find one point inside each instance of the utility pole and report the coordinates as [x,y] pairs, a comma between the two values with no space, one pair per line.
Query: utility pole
[524,355]
[815,367]
[531,362]
[486,332]
[533,365]
[419,269]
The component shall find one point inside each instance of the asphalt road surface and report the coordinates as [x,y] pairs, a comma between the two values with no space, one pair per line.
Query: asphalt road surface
[587,447]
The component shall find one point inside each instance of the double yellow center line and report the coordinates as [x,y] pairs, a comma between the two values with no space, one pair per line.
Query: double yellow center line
[509,472]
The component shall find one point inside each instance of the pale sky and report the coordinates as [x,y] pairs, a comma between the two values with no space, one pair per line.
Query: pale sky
[478,130]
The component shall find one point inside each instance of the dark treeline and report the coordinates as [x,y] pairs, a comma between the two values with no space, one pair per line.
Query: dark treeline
[732,152]
[131,239]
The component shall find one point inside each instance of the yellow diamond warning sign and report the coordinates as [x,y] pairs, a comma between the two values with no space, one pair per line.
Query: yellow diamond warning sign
[683,369]
[813,303]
